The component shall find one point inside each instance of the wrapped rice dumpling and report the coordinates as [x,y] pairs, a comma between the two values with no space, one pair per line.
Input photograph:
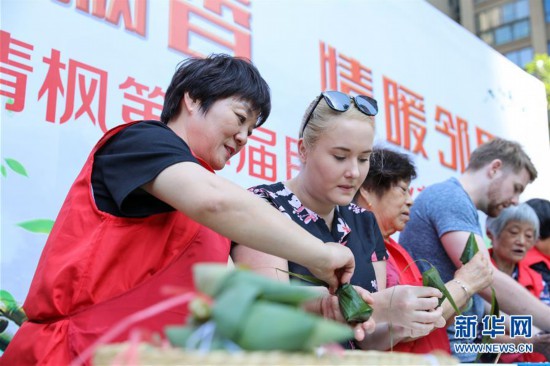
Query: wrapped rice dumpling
[253,313]
[353,307]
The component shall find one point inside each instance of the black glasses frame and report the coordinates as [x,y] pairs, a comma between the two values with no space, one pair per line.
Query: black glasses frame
[341,102]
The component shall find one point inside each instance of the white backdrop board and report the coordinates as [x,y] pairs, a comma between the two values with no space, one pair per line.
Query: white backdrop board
[70,69]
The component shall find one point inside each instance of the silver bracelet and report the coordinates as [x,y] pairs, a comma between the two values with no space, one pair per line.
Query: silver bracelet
[466,290]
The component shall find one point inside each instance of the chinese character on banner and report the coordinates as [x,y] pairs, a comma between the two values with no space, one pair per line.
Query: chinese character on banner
[340,72]
[14,59]
[220,24]
[483,136]
[457,131]
[292,158]
[521,326]
[465,326]
[261,163]
[86,89]
[405,115]
[493,325]
[143,102]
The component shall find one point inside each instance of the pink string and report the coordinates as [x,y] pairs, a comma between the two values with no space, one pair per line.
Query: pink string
[130,355]
[129,320]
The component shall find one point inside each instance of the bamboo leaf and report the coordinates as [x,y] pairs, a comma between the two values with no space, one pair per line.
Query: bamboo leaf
[16,166]
[327,331]
[495,310]
[272,290]
[470,249]
[3,170]
[310,279]
[432,278]
[208,277]
[352,306]
[232,307]
[273,326]
[38,226]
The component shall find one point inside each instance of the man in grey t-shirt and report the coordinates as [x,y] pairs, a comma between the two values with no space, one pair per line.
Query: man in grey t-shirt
[444,215]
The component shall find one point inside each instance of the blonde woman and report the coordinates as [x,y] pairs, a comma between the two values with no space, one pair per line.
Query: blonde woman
[335,144]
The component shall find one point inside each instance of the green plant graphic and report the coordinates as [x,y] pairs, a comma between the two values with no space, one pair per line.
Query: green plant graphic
[39,226]
[15,166]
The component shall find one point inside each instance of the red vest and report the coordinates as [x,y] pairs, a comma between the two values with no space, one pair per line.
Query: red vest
[96,269]
[402,265]
[527,277]
[534,255]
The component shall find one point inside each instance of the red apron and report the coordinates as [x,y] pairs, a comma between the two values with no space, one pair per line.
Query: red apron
[96,269]
[397,262]
[527,277]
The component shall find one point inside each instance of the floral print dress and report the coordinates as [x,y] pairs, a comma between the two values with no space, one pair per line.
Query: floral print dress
[352,226]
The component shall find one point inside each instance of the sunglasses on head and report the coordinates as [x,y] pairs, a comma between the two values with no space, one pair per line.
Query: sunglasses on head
[341,102]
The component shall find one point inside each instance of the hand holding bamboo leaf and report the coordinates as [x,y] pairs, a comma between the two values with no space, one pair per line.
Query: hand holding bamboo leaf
[351,305]
[431,278]
[476,274]
[412,307]
[329,307]
[344,265]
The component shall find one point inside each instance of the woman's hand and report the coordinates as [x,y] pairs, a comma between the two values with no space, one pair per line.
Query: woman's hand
[328,307]
[476,274]
[412,307]
[336,265]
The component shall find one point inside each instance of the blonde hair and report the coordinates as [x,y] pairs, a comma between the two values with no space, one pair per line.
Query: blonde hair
[510,153]
[321,118]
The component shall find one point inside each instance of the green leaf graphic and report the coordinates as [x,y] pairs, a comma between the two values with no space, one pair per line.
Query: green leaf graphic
[7,299]
[38,225]
[3,170]
[16,166]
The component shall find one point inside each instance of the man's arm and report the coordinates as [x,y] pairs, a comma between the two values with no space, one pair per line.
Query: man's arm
[512,297]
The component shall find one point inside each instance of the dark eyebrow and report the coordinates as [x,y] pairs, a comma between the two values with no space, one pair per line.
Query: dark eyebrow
[246,105]
[348,150]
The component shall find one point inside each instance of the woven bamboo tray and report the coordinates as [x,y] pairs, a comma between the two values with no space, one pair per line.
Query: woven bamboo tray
[144,354]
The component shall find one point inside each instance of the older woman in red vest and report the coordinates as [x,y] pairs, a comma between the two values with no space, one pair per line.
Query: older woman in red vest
[513,233]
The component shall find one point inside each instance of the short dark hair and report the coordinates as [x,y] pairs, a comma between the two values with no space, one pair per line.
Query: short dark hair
[542,209]
[510,153]
[387,168]
[216,77]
